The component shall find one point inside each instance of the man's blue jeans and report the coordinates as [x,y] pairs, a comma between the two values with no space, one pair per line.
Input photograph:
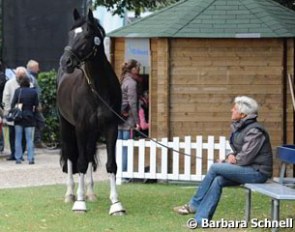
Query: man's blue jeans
[124,135]
[29,141]
[220,175]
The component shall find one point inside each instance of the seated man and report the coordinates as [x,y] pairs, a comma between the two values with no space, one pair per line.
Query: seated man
[250,162]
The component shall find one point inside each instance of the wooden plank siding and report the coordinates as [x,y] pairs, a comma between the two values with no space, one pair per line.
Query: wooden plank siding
[207,74]
[193,83]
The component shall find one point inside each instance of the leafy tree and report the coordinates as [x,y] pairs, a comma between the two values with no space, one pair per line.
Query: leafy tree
[120,6]
[288,3]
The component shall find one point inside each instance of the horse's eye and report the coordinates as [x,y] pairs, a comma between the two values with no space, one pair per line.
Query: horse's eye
[97,41]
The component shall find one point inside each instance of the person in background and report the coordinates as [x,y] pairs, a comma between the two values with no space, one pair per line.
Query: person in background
[27,100]
[130,71]
[10,86]
[143,113]
[33,69]
[2,84]
[250,162]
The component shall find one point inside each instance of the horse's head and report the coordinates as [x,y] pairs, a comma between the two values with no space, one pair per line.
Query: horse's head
[85,40]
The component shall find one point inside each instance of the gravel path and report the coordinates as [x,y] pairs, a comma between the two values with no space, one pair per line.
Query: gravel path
[45,171]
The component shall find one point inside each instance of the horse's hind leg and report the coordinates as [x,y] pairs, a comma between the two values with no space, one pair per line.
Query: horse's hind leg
[80,204]
[116,208]
[90,195]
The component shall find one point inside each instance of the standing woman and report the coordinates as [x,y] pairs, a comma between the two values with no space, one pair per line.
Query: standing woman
[130,72]
[27,98]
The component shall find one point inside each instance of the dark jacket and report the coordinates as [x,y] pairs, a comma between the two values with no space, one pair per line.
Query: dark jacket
[29,100]
[251,145]
[2,83]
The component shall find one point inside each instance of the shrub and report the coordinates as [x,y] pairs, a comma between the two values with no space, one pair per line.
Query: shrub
[47,83]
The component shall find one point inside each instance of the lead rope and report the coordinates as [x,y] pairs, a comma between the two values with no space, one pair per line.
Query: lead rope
[120,117]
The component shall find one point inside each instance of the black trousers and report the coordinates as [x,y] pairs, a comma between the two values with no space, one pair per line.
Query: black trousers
[40,124]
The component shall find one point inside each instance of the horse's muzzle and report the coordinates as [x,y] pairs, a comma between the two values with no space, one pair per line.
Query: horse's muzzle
[67,64]
[69,61]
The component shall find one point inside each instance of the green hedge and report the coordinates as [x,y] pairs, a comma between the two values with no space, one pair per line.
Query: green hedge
[47,83]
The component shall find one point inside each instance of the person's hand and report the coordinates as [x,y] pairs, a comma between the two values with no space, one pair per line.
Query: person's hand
[137,127]
[231,159]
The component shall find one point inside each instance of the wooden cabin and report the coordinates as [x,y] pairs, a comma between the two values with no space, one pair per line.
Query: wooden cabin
[202,54]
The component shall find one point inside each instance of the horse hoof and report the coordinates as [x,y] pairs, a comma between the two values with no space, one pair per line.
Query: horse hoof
[121,213]
[117,209]
[79,207]
[91,197]
[70,198]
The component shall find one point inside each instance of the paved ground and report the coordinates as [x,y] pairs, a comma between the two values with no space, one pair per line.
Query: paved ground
[45,171]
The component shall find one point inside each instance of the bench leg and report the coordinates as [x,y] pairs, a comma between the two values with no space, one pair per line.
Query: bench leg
[248,205]
[275,212]
[282,173]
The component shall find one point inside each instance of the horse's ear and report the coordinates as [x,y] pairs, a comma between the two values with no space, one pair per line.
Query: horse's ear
[76,14]
[90,16]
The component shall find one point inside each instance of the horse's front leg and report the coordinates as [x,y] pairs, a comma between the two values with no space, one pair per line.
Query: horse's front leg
[90,195]
[116,207]
[80,204]
[70,196]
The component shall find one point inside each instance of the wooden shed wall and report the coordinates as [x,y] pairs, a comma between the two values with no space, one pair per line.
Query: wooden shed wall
[193,83]
[206,75]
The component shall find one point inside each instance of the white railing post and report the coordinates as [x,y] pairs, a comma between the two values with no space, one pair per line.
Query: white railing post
[141,157]
[175,161]
[222,148]
[130,162]
[199,156]
[164,159]
[119,152]
[210,155]
[153,160]
[187,158]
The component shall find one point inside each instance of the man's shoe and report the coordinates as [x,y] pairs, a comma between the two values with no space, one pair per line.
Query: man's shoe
[31,162]
[10,158]
[18,162]
[184,210]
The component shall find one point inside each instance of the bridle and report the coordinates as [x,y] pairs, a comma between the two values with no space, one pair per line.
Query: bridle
[68,51]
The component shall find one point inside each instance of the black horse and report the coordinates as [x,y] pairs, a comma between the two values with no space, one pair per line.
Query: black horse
[88,99]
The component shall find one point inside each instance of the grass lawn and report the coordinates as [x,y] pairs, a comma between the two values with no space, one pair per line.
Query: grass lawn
[149,208]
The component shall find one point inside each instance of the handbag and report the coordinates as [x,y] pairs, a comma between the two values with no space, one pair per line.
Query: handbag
[15,114]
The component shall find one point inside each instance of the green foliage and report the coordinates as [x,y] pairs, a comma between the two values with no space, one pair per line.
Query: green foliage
[287,3]
[120,6]
[47,83]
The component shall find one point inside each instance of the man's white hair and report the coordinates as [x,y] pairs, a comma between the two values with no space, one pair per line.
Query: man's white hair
[32,63]
[246,105]
[20,71]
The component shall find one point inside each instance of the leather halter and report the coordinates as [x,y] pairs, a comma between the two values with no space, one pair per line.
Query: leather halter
[80,61]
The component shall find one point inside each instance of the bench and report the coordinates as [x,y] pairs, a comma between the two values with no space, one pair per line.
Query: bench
[275,191]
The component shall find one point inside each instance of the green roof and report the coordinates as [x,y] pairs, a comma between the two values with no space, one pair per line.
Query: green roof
[215,19]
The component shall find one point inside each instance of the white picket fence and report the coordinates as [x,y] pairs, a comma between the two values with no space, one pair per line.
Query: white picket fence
[181,155]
